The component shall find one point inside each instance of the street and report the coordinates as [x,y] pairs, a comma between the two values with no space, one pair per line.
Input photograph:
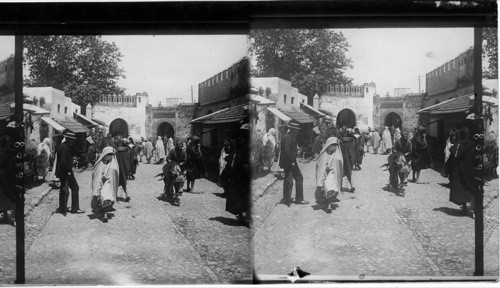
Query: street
[147,241]
[372,231]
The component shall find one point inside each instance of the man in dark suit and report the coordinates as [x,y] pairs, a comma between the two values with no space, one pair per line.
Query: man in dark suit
[64,171]
[288,161]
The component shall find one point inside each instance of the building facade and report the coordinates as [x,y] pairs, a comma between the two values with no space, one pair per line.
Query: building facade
[450,80]
[400,112]
[280,91]
[128,111]
[226,89]
[350,104]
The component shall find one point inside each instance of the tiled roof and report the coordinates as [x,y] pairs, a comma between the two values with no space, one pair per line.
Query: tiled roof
[455,105]
[87,121]
[227,115]
[261,100]
[299,116]
[73,126]
[311,110]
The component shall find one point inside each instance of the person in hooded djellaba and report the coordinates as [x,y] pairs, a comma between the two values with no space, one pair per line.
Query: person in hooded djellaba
[329,174]
[105,182]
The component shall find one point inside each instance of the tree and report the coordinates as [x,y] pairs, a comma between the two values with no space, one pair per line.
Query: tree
[490,52]
[42,101]
[261,91]
[84,67]
[268,92]
[311,59]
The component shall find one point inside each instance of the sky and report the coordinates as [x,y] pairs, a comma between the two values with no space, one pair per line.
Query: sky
[6,47]
[167,66]
[394,58]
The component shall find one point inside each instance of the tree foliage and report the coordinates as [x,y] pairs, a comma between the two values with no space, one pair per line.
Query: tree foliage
[84,67]
[490,51]
[312,59]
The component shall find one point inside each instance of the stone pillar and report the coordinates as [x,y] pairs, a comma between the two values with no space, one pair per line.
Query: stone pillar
[316,101]
[88,111]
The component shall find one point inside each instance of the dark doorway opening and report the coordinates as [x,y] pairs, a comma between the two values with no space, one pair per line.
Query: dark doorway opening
[346,117]
[165,129]
[393,119]
[118,127]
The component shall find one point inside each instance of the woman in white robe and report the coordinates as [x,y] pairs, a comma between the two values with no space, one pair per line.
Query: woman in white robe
[43,162]
[329,173]
[268,145]
[387,139]
[160,151]
[105,178]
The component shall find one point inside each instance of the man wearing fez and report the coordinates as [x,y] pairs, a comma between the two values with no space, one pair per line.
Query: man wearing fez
[288,161]
[64,171]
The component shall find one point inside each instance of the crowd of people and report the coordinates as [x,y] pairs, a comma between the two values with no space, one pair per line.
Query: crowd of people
[115,161]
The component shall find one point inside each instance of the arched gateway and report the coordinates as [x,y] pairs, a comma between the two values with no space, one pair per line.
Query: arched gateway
[165,129]
[346,117]
[118,127]
[393,119]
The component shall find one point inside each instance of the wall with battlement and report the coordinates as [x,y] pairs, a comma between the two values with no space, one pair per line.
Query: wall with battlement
[358,98]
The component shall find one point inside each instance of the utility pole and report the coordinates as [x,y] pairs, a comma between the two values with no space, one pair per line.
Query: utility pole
[192,92]
[478,162]
[419,90]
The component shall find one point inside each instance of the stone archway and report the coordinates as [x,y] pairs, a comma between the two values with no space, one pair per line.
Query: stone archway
[165,129]
[346,117]
[119,127]
[393,119]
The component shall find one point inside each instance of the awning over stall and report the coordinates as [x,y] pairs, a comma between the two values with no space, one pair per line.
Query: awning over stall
[456,105]
[279,114]
[299,116]
[227,115]
[99,122]
[311,110]
[53,123]
[86,120]
[73,126]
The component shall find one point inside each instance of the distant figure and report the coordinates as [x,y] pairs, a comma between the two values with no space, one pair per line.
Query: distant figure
[43,152]
[105,178]
[420,155]
[369,140]
[348,147]
[160,151]
[386,141]
[133,159]
[403,146]
[170,145]
[268,142]
[195,168]
[359,151]
[173,172]
[375,141]
[148,150]
[223,179]
[64,171]
[449,142]
[124,165]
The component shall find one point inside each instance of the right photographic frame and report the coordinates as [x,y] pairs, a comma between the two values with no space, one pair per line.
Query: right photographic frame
[374,152]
